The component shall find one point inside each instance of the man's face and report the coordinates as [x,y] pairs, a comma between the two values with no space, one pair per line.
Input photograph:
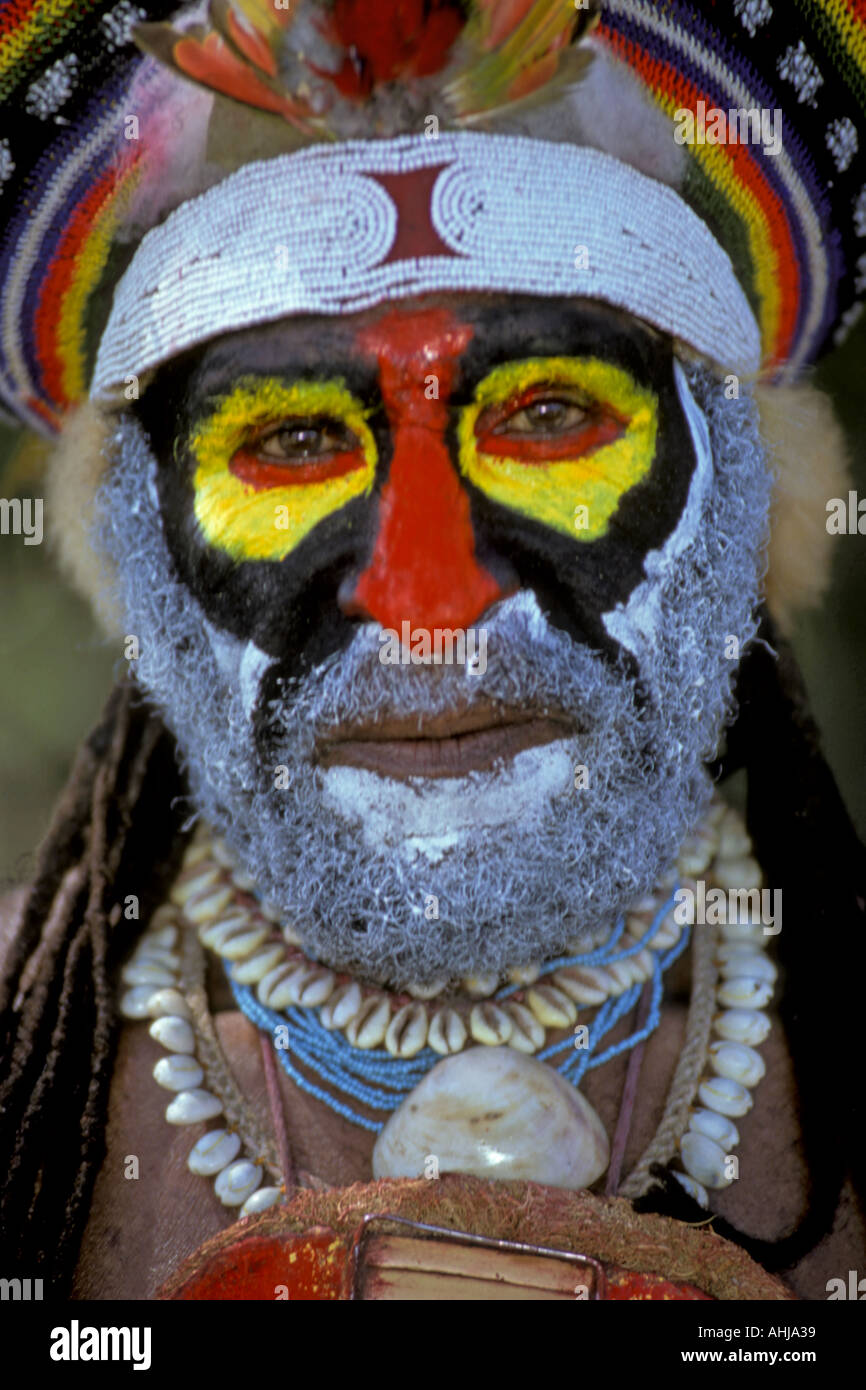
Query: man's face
[429,459]
[333,492]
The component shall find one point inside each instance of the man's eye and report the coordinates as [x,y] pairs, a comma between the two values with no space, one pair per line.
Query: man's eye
[546,418]
[298,441]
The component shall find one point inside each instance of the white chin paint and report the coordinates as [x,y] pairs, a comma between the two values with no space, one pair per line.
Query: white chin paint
[635,624]
[431,816]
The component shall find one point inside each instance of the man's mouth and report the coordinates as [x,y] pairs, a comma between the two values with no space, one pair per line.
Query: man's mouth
[443,745]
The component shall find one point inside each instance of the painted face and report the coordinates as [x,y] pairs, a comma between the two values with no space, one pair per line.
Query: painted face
[417,465]
[536,472]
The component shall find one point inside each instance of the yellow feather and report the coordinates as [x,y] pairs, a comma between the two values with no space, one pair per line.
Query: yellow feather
[487,79]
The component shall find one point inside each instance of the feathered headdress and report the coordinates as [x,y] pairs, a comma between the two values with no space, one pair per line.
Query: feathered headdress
[100,142]
[353,69]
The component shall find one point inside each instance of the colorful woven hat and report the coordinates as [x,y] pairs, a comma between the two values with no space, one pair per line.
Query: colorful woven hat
[100,141]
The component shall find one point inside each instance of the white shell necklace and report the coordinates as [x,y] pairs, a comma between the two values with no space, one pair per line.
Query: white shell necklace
[211,903]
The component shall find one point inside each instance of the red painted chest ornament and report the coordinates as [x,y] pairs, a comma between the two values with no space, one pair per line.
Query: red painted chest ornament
[319,1265]
[463,1237]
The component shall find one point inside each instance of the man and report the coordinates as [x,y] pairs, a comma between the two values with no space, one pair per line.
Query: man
[350,404]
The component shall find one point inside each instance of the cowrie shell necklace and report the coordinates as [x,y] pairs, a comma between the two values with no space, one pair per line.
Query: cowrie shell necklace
[211,903]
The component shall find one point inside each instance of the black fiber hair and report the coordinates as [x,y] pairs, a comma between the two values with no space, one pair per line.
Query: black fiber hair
[806,845]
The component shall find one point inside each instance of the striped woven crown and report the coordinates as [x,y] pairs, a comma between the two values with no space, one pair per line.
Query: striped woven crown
[92,128]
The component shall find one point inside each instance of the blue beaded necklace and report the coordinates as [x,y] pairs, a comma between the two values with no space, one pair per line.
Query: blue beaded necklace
[381,1082]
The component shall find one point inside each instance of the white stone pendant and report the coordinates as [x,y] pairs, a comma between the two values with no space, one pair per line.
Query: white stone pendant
[495,1113]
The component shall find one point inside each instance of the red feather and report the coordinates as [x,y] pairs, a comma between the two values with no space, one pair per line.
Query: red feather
[252,45]
[505,15]
[390,39]
[213,63]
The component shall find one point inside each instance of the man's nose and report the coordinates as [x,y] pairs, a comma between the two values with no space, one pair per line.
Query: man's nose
[423,568]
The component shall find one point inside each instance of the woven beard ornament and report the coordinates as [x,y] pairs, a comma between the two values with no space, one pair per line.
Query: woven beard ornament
[172,177]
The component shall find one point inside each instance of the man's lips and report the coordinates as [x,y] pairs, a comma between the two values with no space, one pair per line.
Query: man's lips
[444,745]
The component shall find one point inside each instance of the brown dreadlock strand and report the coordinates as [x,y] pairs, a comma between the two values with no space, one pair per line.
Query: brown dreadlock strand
[116,820]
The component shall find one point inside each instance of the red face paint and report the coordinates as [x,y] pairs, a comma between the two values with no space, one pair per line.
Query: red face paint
[257,474]
[423,568]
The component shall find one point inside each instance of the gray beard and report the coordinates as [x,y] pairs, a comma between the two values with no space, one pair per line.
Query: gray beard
[421,881]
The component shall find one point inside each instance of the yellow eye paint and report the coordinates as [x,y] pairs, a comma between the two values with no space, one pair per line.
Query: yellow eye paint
[576,496]
[267,523]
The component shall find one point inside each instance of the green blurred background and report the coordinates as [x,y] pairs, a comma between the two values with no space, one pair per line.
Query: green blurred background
[56,668]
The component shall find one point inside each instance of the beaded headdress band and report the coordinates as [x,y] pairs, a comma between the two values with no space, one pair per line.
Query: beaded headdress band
[91,129]
[320,231]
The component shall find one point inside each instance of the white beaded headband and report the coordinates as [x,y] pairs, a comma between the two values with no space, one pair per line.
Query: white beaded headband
[319,232]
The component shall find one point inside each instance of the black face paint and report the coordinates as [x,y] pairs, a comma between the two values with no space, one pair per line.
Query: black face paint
[294,608]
